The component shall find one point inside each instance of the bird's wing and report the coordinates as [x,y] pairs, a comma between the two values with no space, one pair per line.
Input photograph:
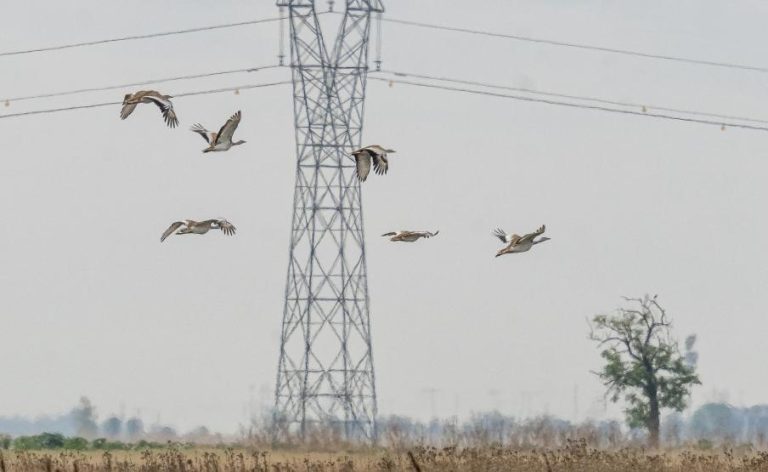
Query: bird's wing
[174,226]
[170,118]
[166,107]
[127,110]
[227,227]
[226,131]
[363,162]
[421,234]
[198,128]
[529,237]
[375,148]
[505,238]
[380,164]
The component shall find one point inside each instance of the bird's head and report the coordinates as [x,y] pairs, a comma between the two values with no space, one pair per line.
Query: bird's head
[389,151]
[236,143]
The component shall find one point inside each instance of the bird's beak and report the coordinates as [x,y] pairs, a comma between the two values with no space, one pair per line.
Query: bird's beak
[391,151]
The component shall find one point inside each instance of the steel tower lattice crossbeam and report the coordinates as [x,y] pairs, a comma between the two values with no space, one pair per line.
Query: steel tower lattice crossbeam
[325,372]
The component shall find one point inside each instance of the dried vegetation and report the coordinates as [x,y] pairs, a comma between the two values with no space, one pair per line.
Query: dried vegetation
[574,456]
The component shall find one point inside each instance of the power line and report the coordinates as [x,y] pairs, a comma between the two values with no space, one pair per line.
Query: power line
[138,36]
[573,105]
[434,86]
[552,42]
[185,94]
[575,97]
[397,74]
[232,89]
[418,84]
[135,84]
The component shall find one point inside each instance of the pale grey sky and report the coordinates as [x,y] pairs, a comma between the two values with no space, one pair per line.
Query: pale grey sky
[94,305]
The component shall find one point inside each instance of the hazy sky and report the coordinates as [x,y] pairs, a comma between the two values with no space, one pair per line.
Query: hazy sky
[188,331]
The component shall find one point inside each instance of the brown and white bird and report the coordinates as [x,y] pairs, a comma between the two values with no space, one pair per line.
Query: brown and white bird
[364,156]
[199,227]
[409,236]
[222,140]
[150,96]
[516,243]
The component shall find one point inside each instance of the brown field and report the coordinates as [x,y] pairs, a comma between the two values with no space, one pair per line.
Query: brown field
[576,456]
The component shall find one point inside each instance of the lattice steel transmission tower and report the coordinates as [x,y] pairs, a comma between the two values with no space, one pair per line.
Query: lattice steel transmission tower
[325,372]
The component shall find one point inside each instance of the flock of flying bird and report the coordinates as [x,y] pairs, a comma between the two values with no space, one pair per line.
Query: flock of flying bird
[370,156]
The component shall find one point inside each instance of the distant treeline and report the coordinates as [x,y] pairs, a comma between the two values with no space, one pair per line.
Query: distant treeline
[709,425]
[47,441]
[81,429]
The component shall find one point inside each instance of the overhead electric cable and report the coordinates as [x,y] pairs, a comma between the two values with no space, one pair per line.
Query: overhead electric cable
[573,105]
[177,95]
[645,106]
[138,36]
[135,84]
[232,89]
[552,42]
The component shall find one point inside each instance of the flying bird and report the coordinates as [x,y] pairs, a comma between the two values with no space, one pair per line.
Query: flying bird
[222,140]
[199,227]
[516,243]
[409,236]
[150,96]
[364,156]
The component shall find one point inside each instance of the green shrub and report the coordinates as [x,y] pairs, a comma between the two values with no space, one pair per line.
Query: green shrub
[51,440]
[117,446]
[40,441]
[76,444]
[144,444]
[105,445]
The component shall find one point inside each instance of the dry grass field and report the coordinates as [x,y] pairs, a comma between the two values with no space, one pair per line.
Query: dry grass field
[576,456]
